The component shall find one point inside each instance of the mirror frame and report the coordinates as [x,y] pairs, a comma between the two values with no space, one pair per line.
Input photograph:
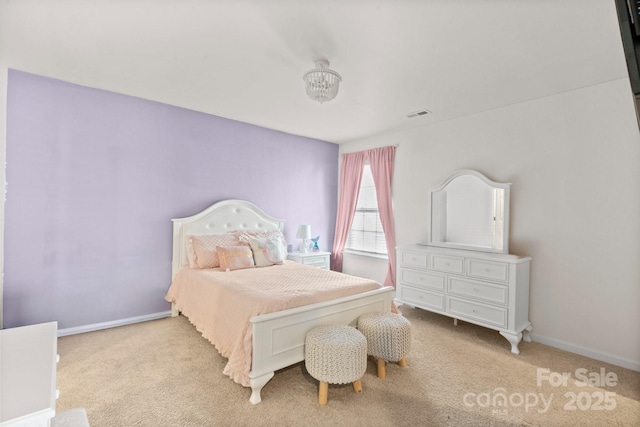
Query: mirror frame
[496,185]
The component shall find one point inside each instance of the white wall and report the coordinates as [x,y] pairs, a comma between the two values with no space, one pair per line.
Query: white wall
[574,161]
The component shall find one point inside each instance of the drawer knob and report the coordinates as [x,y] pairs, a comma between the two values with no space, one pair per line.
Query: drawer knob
[475,311]
[487,270]
[475,289]
[447,264]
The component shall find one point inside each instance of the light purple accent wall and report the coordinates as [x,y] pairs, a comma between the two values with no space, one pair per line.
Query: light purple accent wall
[94,179]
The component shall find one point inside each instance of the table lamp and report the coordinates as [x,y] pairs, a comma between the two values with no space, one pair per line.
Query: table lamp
[304,233]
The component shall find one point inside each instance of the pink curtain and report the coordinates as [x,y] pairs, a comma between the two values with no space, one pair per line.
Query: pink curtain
[350,178]
[381,161]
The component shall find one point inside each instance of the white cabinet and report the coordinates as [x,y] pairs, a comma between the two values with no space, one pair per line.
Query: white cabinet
[28,357]
[488,289]
[317,259]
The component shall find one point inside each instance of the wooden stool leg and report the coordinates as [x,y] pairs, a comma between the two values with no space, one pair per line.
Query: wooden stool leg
[402,363]
[323,393]
[382,372]
[357,386]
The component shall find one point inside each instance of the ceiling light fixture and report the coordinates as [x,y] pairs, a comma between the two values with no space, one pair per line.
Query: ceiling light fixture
[322,83]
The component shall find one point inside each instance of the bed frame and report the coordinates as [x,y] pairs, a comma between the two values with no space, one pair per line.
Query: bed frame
[278,338]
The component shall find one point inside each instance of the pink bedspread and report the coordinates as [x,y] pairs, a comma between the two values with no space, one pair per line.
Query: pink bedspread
[220,303]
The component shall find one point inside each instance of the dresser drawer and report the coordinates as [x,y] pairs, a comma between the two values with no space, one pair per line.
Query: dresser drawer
[488,270]
[422,279]
[496,316]
[317,261]
[422,298]
[413,259]
[478,290]
[448,264]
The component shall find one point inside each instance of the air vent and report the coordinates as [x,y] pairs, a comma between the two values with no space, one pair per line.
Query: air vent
[418,113]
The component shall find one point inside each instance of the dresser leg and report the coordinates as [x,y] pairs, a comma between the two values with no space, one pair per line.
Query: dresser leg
[525,334]
[514,340]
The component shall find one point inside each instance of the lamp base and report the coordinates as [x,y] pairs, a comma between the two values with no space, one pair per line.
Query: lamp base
[304,247]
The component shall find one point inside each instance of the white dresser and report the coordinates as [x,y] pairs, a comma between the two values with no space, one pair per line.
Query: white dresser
[317,259]
[488,289]
[28,357]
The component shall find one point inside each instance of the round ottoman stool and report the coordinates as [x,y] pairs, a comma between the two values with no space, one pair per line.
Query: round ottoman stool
[335,354]
[388,338]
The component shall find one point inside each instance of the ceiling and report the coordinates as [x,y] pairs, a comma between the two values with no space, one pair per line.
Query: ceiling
[244,59]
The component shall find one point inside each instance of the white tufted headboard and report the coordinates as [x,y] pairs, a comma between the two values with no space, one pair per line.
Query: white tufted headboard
[219,218]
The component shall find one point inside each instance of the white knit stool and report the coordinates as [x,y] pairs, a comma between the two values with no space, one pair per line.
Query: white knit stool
[335,354]
[388,338]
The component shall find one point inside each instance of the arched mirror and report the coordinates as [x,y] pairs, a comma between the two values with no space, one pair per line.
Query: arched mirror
[470,211]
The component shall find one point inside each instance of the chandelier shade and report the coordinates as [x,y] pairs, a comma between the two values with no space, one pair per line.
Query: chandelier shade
[322,83]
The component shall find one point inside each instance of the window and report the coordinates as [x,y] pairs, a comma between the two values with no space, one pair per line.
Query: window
[366,234]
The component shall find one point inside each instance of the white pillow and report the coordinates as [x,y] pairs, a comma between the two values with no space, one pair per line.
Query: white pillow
[268,250]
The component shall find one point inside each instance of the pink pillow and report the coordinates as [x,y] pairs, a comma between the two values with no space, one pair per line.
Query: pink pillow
[235,257]
[201,250]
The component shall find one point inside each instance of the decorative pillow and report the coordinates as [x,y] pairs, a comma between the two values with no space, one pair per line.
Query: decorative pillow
[235,257]
[244,235]
[201,250]
[268,250]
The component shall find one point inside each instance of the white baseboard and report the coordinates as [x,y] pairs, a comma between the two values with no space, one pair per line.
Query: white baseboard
[583,351]
[112,324]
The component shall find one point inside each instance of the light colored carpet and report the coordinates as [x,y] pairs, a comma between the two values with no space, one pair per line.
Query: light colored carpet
[163,373]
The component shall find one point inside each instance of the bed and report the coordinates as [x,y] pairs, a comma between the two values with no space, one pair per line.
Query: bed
[272,340]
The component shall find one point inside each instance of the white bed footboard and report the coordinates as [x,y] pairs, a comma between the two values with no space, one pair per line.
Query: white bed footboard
[278,338]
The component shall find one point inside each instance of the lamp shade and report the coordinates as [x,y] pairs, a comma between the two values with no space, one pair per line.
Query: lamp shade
[304,232]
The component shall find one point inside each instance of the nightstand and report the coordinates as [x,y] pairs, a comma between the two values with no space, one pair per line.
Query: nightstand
[317,259]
